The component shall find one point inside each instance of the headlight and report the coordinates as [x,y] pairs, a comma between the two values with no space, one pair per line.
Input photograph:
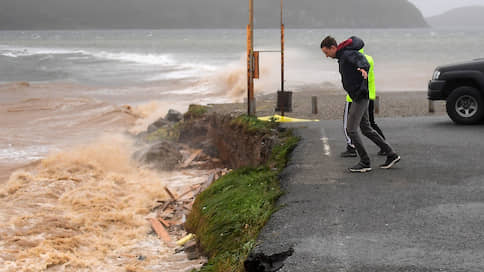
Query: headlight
[436,75]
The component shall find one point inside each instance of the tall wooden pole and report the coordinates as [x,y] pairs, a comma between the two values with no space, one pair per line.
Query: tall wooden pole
[282,50]
[250,61]
[282,55]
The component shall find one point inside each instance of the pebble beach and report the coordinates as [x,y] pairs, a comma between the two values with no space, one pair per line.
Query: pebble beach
[331,104]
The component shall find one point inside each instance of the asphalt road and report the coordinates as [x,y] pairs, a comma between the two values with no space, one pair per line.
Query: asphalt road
[425,214]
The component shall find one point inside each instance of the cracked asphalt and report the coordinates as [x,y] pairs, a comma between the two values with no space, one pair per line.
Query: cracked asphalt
[425,214]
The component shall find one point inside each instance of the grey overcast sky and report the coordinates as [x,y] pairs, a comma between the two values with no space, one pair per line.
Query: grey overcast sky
[435,7]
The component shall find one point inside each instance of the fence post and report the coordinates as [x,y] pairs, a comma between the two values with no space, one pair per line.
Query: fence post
[314,101]
[377,104]
[431,106]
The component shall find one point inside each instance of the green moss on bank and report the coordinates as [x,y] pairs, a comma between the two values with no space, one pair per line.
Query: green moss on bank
[170,133]
[280,152]
[228,216]
[254,125]
[195,111]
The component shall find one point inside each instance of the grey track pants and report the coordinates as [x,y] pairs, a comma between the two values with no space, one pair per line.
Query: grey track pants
[358,116]
[371,115]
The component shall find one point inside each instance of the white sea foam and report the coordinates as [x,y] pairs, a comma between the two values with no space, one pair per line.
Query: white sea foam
[155,59]
[16,52]
[201,88]
[176,68]
[178,74]
[23,154]
[9,54]
[148,58]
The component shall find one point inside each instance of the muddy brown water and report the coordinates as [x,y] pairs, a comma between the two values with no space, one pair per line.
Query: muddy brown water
[71,198]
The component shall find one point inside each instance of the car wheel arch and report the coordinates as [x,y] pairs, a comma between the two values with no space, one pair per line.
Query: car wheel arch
[453,84]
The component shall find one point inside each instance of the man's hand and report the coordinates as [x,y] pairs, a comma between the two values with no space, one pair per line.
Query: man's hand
[364,74]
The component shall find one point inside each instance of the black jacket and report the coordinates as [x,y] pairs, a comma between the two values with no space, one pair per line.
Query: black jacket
[350,60]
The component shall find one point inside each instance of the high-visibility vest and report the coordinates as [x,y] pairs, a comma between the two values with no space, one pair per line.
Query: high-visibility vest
[371,78]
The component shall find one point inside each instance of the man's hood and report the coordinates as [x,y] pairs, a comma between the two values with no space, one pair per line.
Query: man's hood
[353,43]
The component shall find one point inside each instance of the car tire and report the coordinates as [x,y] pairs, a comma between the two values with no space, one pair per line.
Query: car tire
[465,105]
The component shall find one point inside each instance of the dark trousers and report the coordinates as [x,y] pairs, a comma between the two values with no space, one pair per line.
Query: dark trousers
[371,115]
[358,117]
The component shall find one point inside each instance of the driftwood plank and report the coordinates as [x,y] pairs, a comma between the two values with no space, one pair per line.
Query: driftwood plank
[191,158]
[164,222]
[160,230]
[170,193]
[192,189]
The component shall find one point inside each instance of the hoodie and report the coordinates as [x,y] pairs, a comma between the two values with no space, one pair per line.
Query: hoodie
[350,60]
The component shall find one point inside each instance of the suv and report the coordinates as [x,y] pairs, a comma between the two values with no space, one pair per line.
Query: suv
[462,86]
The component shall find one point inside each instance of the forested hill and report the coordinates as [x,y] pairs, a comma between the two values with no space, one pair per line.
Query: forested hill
[460,17]
[93,14]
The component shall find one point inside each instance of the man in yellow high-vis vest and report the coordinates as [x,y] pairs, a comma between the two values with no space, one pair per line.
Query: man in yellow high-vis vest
[350,148]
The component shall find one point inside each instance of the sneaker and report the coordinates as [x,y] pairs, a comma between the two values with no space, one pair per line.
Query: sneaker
[382,153]
[349,153]
[391,161]
[360,168]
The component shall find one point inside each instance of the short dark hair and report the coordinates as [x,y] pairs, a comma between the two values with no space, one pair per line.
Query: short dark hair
[328,42]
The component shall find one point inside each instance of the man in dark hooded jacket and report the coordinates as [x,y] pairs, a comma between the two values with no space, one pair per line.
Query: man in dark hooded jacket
[354,68]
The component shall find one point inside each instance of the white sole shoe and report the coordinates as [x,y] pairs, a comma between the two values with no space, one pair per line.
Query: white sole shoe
[360,170]
[392,163]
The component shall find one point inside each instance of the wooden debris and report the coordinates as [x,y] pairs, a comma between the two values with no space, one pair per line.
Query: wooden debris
[167,204]
[171,213]
[186,173]
[173,223]
[156,207]
[191,190]
[191,158]
[170,193]
[160,230]
[165,223]
[187,207]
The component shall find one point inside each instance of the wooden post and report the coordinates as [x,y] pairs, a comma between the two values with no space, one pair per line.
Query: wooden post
[282,56]
[314,101]
[250,61]
[431,106]
[377,104]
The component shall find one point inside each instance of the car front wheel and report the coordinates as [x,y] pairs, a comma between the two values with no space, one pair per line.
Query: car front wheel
[465,105]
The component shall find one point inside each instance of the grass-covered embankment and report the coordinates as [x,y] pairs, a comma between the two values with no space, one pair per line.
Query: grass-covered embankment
[228,216]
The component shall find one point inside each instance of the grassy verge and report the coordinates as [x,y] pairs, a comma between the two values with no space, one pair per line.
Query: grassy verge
[195,111]
[228,216]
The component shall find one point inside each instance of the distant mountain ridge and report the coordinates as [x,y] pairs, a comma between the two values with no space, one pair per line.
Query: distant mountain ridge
[471,16]
[93,14]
